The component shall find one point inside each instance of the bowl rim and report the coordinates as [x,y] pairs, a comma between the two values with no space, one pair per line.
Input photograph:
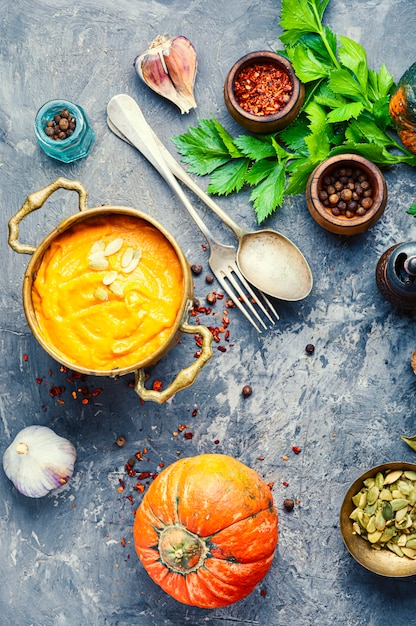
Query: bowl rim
[381,562]
[380,198]
[272,57]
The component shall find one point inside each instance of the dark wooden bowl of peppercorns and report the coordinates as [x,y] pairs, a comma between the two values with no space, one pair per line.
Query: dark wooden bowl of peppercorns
[346,194]
[262,92]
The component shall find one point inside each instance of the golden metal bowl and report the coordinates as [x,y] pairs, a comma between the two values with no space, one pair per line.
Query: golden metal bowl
[382,562]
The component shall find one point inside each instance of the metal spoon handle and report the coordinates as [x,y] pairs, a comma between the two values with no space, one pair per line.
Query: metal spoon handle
[178,171]
[126,115]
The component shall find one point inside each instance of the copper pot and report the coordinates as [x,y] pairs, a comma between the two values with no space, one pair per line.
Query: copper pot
[186,376]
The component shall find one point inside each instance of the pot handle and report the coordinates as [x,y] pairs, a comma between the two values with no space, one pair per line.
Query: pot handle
[187,376]
[35,201]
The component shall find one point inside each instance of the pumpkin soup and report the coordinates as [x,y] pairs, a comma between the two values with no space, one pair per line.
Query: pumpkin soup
[108,292]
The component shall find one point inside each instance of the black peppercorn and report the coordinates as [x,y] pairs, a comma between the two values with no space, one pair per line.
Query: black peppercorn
[247,391]
[289,504]
[310,348]
[196,268]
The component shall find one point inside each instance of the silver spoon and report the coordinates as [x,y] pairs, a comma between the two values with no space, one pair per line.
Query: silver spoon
[268,259]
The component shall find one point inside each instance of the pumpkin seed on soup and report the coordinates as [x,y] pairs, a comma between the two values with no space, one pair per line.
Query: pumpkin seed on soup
[385,512]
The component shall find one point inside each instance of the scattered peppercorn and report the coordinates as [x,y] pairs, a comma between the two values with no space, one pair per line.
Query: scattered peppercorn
[209,279]
[310,348]
[61,126]
[347,192]
[211,298]
[247,391]
[196,268]
[296,449]
[289,504]
[121,441]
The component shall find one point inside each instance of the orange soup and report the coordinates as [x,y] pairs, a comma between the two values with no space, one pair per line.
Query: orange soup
[108,292]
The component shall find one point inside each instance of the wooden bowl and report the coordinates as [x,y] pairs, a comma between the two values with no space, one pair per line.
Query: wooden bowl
[382,562]
[263,124]
[341,224]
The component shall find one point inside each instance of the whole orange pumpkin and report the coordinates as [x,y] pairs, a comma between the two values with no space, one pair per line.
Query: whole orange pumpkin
[206,530]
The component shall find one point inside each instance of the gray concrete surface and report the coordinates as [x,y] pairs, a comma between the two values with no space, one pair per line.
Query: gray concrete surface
[62,560]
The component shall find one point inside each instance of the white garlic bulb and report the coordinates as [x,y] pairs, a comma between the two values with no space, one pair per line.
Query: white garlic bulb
[38,461]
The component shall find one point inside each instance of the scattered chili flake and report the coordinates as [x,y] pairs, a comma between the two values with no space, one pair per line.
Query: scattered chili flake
[157,385]
[182,427]
[122,483]
[74,395]
[56,391]
[143,475]
[120,489]
[263,593]
[130,499]
[260,458]
[222,348]
[285,483]
[270,485]
[25,357]
[59,401]
[188,435]
[130,471]
[139,455]
[123,542]
[285,458]
[38,380]
[84,401]
[161,464]
[97,392]
[194,412]
[296,449]
[139,487]
[262,88]
[220,296]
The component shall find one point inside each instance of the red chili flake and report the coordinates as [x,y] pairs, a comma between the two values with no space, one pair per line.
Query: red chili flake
[260,458]
[123,542]
[59,401]
[25,357]
[270,485]
[130,471]
[122,483]
[194,412]
[139,487]
[204,247]
[84,401]
[188,435]
[262,89]
[144,450]
[227,335]
[161,464]
[139,455]
[197,354]
[74,395]
[97,392]
[157,385]
[182,427]
[130,499]
[296,449]
[143,475]
[56,391]
[285,483]
[222,348]
[63,369]
[38,380]
[263,593]
[220,296]
[198,341]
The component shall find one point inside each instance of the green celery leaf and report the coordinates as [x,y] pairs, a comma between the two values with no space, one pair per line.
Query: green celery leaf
[229,178]
[316,116]
[380,85]
[299,176]
[201,164]
[353,56]
[259,171]
[227,139]
[345,112]
[371,151]
[294,135]
[315,43]
[306,64]
[370,131]
[268,195]
[342,82]
[412,210]
[381,112]
[254,148]
[318,145]
[296,18]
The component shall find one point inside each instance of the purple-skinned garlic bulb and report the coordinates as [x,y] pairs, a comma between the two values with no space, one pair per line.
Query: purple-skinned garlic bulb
[169,68]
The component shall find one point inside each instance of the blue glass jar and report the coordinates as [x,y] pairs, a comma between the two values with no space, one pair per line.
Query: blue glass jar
[77,145]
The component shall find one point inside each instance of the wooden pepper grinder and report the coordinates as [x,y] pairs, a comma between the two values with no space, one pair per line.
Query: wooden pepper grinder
[396,275]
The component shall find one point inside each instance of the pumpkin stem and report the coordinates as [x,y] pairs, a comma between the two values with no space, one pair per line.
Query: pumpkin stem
[181,550]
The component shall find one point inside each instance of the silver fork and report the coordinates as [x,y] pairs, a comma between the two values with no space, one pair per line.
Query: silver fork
[222,258]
